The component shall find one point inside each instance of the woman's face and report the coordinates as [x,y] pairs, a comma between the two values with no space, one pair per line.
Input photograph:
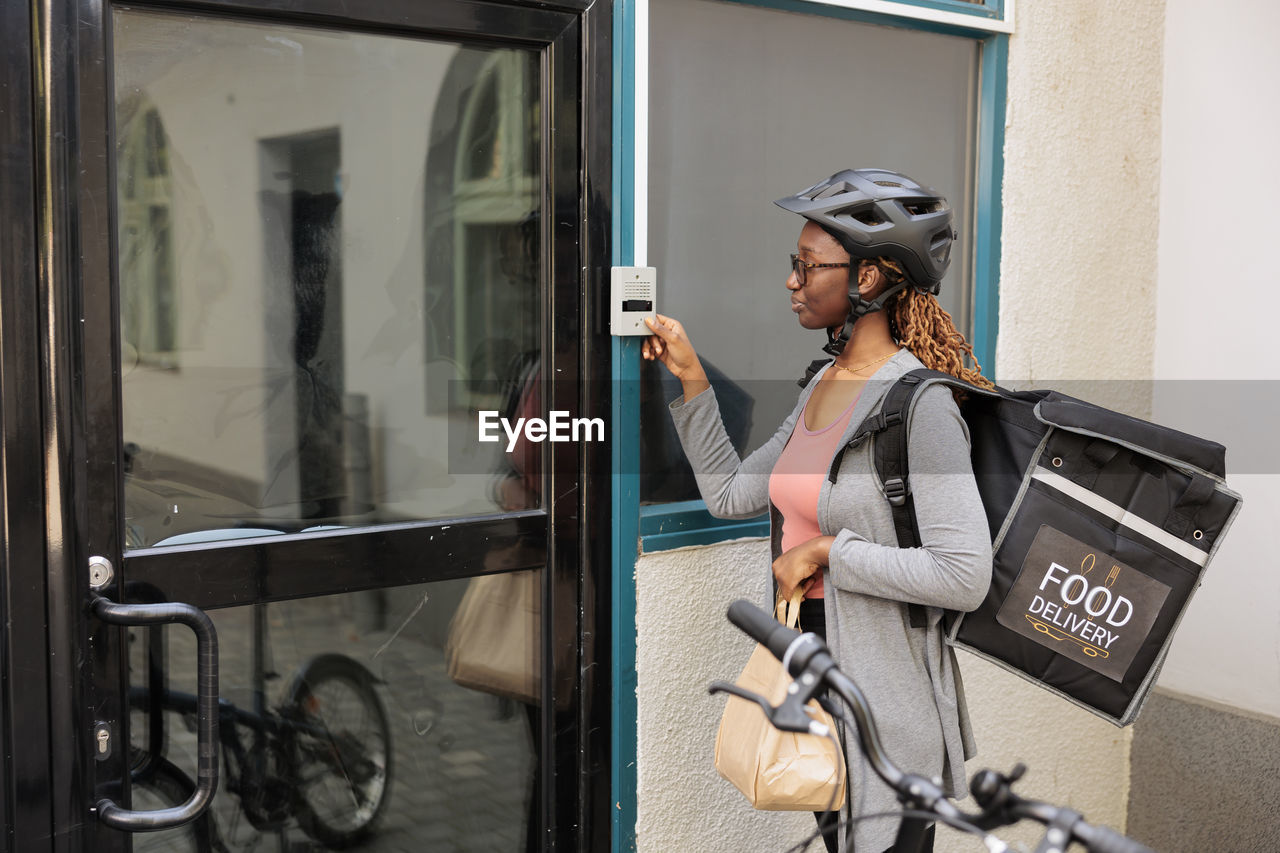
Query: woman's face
[823,300]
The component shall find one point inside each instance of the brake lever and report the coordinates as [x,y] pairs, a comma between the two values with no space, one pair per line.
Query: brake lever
[790,716]
[743,693]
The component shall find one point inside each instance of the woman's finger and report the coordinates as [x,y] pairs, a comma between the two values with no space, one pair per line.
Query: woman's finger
[651,348]
[658,326]
[667,327]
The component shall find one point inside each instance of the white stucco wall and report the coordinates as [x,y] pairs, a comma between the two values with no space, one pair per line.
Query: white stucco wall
[1215,321]
[1082,149]
[683,644]
[1080,226]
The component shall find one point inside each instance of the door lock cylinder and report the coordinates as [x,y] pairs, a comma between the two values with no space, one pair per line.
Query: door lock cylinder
[102,741]
[101,573]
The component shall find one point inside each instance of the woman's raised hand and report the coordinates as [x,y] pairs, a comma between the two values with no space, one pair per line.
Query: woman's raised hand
[670,345]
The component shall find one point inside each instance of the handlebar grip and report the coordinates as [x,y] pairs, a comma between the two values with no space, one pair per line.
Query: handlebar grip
[1101,839]
[761,627]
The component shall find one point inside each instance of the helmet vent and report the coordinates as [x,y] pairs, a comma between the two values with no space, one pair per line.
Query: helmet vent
[867,218]
[829,191]
[922,209]
[893,184]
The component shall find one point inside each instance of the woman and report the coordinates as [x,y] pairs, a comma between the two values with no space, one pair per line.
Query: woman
[867,265]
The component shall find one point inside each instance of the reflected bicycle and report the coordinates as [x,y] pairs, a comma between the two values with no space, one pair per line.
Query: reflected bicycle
[321,757]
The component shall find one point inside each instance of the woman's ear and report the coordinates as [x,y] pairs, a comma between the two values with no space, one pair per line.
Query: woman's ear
[870,280]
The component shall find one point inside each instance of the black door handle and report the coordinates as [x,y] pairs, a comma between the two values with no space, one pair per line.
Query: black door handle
[130,820]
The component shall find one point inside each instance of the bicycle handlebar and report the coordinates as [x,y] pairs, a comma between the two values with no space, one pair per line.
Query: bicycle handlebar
[1101,839]
[762,628]
[1067,825]
[1001,807]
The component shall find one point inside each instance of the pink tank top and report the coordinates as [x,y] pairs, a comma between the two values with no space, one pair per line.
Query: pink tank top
[796,482]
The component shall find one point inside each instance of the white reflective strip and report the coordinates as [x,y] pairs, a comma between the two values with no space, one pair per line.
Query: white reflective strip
[899,9]
[640,143]
[1137,524]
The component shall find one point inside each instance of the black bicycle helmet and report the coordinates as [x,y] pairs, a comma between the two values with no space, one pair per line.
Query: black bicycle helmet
[874,213]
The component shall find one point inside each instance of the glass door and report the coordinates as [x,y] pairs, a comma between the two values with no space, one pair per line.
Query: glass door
[331,247]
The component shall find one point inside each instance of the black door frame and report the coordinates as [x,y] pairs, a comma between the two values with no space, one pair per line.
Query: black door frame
[25,721]
[59,402]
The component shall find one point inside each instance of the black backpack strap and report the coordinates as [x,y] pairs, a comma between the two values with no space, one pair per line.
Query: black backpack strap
[812,371]
[889,428]
[893,468]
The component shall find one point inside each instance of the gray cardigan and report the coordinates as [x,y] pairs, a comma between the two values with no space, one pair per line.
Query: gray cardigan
[909,675]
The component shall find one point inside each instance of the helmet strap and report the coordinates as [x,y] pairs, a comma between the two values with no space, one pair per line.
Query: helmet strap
[858,308]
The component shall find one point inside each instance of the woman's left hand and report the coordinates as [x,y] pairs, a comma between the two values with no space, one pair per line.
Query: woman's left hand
[796,568]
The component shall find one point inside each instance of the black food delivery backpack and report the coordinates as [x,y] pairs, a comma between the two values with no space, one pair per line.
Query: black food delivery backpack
[1101,526]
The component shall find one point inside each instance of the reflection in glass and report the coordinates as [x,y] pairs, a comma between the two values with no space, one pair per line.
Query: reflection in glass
[329,264]
[344,722]
[147,300]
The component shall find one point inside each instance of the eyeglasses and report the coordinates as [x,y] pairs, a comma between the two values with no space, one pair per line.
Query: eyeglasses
[800,267]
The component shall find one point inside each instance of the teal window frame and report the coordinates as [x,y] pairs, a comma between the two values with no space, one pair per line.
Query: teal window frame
[663,527]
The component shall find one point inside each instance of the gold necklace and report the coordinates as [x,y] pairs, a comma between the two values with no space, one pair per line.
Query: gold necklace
[868,364]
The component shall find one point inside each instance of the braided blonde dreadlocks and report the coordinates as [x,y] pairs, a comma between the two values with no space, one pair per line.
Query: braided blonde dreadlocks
[920,324]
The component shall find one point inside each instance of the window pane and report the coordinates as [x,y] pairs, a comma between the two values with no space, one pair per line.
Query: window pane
[328,264]
[748,105]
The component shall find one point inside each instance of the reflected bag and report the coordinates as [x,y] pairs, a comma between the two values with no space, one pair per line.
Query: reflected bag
[494,639]
[777,770]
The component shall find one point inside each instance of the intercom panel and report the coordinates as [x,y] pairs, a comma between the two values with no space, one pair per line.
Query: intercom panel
[633,297]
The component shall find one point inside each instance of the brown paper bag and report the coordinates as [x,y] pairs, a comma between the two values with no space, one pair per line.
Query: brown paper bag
[495,639]
[776,770]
